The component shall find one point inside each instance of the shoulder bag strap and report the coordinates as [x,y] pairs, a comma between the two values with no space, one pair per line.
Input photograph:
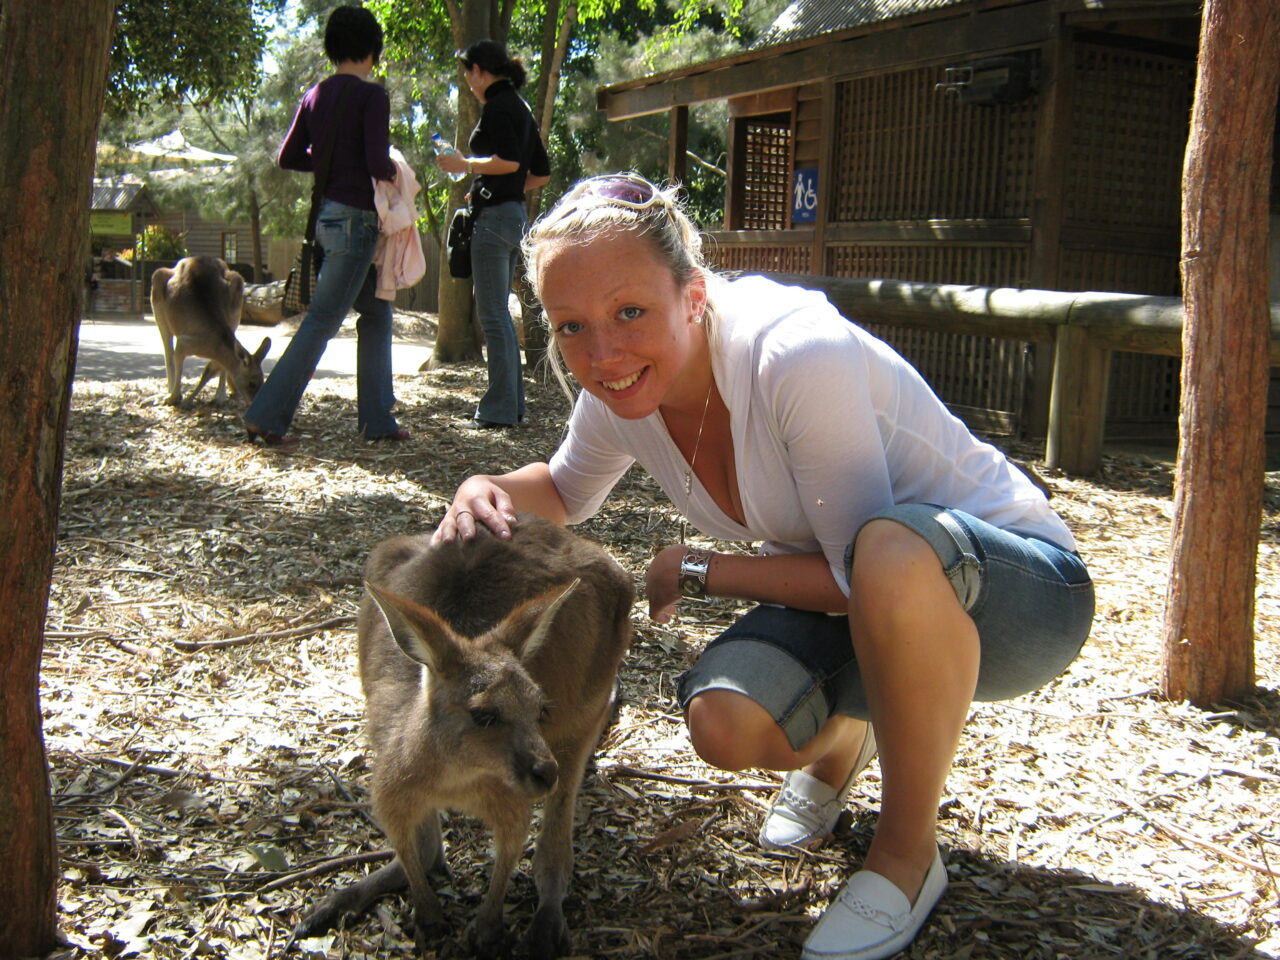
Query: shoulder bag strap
[326,161]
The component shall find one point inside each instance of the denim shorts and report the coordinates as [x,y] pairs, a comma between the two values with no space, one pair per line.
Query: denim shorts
[1032,602]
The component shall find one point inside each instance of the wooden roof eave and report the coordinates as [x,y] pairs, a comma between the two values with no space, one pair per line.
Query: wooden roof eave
[949,32]
[1090,11]
[956,31]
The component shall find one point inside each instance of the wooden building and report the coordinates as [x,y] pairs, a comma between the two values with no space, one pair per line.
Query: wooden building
[230,240]
[121,209]
[118,213]
[995,143]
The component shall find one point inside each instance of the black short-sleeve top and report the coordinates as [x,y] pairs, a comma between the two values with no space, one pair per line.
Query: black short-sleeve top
[507,130]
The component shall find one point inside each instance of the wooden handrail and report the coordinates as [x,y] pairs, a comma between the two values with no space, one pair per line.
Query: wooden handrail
[1084,328]
[1116,321]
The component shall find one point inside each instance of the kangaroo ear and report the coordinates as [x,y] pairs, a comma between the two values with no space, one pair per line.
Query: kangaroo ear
[526,628]
[418,631]
[263,347]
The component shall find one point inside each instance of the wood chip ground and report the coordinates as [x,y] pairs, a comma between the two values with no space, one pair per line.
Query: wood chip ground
[204,722]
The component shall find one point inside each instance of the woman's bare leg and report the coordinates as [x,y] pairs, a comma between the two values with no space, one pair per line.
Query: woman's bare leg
[733,732]
[918,654]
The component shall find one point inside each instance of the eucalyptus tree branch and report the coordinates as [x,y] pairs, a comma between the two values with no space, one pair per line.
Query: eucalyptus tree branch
[705,164]
[209,127]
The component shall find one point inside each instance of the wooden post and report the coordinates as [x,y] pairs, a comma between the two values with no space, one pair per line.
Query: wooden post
[737,163]
[1052,156]
[1208,626]
[1078,402]
[828,174]
[678,145]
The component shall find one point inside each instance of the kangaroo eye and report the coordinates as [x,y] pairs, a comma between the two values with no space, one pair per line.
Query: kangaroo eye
[484,718]
[544,715]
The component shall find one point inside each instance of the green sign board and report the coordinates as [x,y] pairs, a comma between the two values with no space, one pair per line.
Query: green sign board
[109,223]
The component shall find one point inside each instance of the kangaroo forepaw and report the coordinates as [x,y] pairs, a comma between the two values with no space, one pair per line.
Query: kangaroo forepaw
[548,935]
[490,942]
[427,936]
[323,918]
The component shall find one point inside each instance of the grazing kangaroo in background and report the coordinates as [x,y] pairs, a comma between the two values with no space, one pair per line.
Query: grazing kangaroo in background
[488,670]
[197,305]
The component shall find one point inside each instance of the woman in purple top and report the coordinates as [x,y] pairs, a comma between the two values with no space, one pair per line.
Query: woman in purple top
[356,112]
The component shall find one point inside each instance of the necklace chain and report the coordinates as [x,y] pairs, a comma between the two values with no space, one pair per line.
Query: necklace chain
[688,474]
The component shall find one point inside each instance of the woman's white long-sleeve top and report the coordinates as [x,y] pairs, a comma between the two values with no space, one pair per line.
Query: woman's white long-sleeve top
[830,425]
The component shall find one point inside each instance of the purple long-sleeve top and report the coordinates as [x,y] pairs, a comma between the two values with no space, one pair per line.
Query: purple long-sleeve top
[360,152]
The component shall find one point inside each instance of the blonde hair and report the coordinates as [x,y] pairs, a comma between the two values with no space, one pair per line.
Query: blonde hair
[588,212]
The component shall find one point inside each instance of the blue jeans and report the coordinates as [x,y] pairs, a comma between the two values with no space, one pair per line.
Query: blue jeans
[347,235]
[495,244]
[1031,601]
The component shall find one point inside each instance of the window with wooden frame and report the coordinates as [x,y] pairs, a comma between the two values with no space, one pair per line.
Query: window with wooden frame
[766,172]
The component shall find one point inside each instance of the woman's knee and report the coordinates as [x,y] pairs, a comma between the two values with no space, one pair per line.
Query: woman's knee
[903,608]
[731,731]
[892,566]
[885,551]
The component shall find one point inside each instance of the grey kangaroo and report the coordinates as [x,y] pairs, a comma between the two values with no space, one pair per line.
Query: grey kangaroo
[488,670]
[197,304]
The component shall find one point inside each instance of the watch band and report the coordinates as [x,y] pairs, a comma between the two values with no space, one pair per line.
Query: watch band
[693,573]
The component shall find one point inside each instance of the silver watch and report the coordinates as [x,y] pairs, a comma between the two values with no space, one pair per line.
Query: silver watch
[693,574]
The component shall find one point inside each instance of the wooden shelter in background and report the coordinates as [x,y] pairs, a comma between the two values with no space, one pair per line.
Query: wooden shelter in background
[993,143]
[118,213]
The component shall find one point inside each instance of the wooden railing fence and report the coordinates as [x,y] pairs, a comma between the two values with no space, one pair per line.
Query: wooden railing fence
[1084,329]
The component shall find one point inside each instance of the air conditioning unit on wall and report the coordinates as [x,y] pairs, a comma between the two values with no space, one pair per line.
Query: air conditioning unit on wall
[995,80]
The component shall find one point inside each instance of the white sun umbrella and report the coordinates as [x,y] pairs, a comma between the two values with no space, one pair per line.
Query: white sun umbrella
[174,146]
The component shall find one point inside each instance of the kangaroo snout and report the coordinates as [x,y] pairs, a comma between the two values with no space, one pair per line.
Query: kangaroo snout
[541,775]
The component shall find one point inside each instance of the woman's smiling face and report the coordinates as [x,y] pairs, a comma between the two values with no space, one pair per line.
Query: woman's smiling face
[626,328]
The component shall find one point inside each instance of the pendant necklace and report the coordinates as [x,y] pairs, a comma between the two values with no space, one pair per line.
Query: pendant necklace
[688,474]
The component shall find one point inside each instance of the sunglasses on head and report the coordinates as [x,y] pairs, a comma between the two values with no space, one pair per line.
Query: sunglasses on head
[620,188]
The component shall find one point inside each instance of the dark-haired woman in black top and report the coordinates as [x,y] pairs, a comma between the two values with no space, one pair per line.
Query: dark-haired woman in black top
[506,157]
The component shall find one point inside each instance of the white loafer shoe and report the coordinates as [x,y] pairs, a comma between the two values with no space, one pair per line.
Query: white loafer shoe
[805,811]
[872,919]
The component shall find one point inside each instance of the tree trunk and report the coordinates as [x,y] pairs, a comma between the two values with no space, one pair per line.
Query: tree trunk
[53,71]
[1208,627]
[457,335]
[458,338]
[255,229]
[555,43]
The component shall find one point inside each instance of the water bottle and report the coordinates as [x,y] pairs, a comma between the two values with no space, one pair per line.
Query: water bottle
[444,148]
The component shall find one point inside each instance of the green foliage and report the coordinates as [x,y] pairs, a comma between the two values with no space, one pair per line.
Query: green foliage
[167,49]
[612,40]
[634,41]
[194,66]
[158,242]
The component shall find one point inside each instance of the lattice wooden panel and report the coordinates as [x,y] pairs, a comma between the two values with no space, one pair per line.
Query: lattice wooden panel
[981,378]
[979,373]
[1128,133]
[766,184]
[985,266]
[905,151]
[1117,272]
[1144,389]
[771,259]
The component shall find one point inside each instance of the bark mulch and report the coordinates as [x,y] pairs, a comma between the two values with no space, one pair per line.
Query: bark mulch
[204,721]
